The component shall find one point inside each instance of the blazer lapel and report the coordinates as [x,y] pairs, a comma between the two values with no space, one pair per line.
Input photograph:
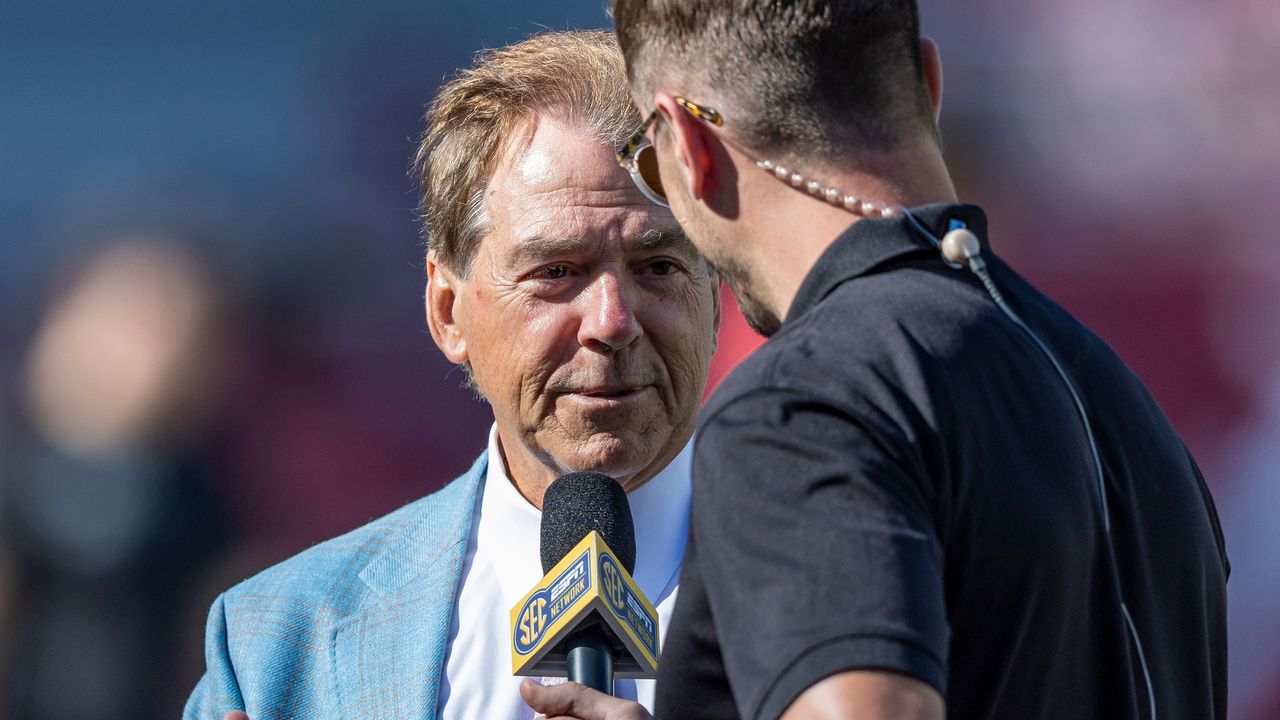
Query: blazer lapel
[389,655]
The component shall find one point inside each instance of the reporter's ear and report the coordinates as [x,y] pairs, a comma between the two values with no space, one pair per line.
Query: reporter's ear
[690,142]
[931,62]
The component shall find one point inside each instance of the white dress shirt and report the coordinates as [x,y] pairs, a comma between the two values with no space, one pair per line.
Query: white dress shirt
[503,564]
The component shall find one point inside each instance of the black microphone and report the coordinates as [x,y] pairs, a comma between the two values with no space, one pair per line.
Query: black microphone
[578,503]
[586,618]
[572,507]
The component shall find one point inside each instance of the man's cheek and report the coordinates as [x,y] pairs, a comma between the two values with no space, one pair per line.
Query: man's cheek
[686,343]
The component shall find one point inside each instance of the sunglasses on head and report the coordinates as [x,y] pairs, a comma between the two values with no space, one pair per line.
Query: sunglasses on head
[640,158]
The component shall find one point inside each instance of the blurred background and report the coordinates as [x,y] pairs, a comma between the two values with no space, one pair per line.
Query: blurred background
[212,349]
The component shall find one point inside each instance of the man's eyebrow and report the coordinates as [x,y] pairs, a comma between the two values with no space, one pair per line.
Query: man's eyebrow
[672,240]
[541,247]
[544,247]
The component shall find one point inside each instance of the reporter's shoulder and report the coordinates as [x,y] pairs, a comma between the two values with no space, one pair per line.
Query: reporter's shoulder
[326,576]
[798,362]
[863,337]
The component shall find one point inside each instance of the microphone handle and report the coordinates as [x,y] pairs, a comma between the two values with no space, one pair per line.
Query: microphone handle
[591,659]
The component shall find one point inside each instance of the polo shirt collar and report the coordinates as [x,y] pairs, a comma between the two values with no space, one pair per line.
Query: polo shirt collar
[871,242]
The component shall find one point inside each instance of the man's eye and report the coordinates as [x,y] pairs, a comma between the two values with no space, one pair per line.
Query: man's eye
[554,272]
[662,267]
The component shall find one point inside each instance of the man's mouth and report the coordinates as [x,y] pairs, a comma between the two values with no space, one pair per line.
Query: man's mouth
[609,392]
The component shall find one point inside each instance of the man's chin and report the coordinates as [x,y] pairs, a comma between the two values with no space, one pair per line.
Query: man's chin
[759,319]
[623,456]
[758,316]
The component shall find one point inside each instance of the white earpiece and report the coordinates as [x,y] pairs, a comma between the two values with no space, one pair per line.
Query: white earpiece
[959,246]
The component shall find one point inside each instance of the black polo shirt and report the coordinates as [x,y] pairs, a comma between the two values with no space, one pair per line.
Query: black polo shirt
[898,480]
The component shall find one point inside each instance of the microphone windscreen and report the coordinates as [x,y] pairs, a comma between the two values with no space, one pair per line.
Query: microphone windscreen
[577,503]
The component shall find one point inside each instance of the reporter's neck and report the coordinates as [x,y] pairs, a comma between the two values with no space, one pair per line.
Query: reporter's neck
[787,229]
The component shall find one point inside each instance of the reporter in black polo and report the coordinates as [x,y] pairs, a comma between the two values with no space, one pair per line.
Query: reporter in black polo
[932,492]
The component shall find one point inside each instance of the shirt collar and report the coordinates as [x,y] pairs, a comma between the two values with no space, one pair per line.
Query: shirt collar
[871,242]
[509,528]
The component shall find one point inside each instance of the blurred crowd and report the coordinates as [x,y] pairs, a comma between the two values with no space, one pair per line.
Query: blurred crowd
[212,351]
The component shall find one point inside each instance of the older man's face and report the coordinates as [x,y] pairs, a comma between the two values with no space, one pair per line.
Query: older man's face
[589,320]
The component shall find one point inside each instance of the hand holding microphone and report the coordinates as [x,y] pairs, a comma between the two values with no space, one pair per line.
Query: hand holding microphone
[571,701]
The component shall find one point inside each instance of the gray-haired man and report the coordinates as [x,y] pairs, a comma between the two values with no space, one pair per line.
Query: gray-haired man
[587,321]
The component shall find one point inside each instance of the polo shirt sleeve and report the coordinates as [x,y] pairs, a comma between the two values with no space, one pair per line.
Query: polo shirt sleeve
[817,547]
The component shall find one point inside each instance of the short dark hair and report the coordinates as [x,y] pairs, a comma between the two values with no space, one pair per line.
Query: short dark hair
[813,78]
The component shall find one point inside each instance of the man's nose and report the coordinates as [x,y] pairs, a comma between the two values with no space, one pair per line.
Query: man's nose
[608,320]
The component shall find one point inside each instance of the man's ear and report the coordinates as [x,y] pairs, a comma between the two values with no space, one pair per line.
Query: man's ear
[443,299]
[690,139]
[932,65]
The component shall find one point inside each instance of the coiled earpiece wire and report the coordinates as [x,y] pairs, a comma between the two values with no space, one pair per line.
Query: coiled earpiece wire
[961,249]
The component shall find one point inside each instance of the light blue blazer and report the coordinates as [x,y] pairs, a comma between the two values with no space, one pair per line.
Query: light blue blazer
[355,627]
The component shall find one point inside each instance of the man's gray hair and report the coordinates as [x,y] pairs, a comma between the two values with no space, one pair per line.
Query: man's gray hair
[578,75]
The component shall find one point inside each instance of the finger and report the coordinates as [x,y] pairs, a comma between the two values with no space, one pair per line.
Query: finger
[540,698]
[566,700]
[235,715]
[572,701]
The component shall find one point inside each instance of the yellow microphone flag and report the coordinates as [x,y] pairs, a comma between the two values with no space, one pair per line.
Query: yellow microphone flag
[587,585]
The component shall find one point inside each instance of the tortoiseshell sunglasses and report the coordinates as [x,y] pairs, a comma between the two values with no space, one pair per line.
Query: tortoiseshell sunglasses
[640,158]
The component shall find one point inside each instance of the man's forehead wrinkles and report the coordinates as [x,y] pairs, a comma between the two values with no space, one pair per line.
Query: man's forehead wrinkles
[612,197]
[629,222]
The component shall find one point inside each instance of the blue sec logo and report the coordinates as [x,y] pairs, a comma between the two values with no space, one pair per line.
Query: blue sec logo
[532,623]
[612,584]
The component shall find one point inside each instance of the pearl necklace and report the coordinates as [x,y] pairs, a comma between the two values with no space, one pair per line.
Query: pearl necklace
[852,203]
